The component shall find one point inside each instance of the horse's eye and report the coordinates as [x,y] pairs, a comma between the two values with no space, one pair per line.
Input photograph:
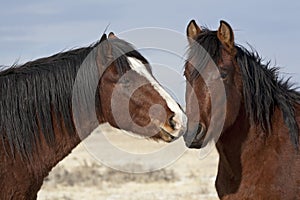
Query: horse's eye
[223,75]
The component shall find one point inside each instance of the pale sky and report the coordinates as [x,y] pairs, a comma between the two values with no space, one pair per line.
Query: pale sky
[32,29]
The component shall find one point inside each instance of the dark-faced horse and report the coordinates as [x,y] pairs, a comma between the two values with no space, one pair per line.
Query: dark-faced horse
[37,120]
[258,144]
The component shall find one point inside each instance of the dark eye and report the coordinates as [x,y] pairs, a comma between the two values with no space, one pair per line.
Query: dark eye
[223,75]
[224,71]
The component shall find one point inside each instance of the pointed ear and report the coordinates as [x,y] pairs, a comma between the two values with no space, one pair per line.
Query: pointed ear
[104,54]
[226,36]
[111,35]
[103,37]
[192,31]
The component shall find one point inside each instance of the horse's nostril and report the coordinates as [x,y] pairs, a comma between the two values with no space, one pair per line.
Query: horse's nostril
[172,122]
[199,128]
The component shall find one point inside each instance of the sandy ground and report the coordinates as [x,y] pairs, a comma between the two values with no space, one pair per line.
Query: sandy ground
[82,176]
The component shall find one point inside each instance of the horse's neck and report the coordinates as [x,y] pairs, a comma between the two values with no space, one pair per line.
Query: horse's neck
[239,147]
[244,151]
[49,155]
[230,147]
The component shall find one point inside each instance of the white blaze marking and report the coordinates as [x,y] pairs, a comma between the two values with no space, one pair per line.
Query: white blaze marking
[140,68]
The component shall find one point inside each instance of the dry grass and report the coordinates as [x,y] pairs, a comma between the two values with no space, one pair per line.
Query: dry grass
[95,175]
[80,176]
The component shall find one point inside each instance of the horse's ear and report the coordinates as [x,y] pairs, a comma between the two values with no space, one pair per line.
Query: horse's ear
[103,37]
[192,31]
[226,36]
[111,35]
[104,54]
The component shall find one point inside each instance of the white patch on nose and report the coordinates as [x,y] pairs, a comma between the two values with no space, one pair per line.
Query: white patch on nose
[179,117]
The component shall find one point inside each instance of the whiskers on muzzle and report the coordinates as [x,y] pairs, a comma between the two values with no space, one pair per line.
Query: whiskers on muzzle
[175,126]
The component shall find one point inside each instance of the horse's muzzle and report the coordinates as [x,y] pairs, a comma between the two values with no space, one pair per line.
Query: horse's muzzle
[194,138]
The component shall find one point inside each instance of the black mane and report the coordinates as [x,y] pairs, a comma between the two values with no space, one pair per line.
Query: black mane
[34,93]
[263,90]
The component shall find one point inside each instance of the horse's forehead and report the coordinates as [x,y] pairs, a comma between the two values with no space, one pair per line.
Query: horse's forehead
[142,70]
[226,57]
[139,67]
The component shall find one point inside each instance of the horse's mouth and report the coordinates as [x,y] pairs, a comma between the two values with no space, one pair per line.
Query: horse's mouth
[166,136]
